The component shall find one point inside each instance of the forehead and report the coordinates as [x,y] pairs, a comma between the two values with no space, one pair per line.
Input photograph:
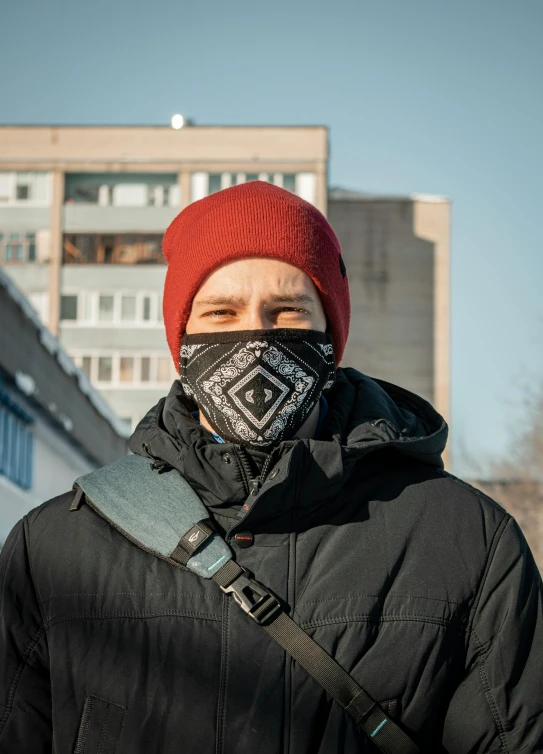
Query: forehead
[256,275]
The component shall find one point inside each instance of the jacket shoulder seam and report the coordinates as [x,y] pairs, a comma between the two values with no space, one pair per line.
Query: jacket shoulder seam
[490,557]
[471,488]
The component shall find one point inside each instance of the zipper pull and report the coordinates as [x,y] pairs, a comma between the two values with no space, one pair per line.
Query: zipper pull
[254,486]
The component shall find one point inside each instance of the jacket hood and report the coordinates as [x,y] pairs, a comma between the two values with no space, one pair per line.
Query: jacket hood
[364,416]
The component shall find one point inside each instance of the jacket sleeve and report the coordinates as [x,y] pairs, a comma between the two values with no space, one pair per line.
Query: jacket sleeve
[25,689]
[498,707]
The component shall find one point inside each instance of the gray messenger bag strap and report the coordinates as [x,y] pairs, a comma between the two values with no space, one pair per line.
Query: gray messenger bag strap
[177,528]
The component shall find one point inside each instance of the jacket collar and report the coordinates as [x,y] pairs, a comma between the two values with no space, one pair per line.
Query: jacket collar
[364,416]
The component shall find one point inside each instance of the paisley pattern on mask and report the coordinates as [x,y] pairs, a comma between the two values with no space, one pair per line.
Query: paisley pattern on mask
[257,387]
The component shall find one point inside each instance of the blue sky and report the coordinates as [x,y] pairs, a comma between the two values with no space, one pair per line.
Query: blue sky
[420,97]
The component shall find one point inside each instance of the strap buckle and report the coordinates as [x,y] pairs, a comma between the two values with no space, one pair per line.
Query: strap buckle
[253,598]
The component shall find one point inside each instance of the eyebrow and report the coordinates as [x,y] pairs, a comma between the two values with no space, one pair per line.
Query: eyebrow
[295,298]
[220,301]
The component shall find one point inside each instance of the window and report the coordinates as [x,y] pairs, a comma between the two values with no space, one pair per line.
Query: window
[85,193]
[31,245]
[164,370]
[126,373]
[16,443]
[162,196]
[105,308]
[17,248]
[128,308]
[14,249]
[86,363]
[125,370]
[105,368]
[68,307]
[145,369]
[214,183]
[22,187]
[121,308]
[302,184]
[130,195]
[119,189]
[25,187]
[289,182]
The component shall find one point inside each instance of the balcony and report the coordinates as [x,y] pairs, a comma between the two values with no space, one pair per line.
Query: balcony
[94,248]
[120,203]
[91,218]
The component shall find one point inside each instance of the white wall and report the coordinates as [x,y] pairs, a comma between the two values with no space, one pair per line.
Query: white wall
[56,466]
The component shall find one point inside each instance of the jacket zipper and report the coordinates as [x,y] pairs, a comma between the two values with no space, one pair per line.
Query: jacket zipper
[245,468]
[252,483]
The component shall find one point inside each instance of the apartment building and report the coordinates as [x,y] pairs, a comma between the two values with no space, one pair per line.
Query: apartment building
[82,215]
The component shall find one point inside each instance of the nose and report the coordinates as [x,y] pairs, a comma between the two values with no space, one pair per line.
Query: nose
[257,318]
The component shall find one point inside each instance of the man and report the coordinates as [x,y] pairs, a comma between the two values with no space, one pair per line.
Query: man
[327,486]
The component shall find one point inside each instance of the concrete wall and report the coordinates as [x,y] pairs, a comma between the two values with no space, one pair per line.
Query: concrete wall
[113,276]
[391,281]
[28,277]
[159,145]
[80,339]
[29,219]
[396,256]
[56,465]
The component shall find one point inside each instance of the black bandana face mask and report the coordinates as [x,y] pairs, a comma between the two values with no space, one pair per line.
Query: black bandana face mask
[257,387]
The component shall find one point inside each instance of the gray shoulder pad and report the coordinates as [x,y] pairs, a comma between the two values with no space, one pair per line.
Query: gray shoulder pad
[156,510]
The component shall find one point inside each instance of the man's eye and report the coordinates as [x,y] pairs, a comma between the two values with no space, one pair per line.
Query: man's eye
[291,309]
[218,313]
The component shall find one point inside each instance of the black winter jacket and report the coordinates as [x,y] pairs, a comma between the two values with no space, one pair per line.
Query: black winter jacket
[419,585]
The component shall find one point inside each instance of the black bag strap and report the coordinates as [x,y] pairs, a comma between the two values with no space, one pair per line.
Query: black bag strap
[264,608]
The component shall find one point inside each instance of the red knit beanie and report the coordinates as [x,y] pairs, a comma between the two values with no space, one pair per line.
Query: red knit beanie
[251,220]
